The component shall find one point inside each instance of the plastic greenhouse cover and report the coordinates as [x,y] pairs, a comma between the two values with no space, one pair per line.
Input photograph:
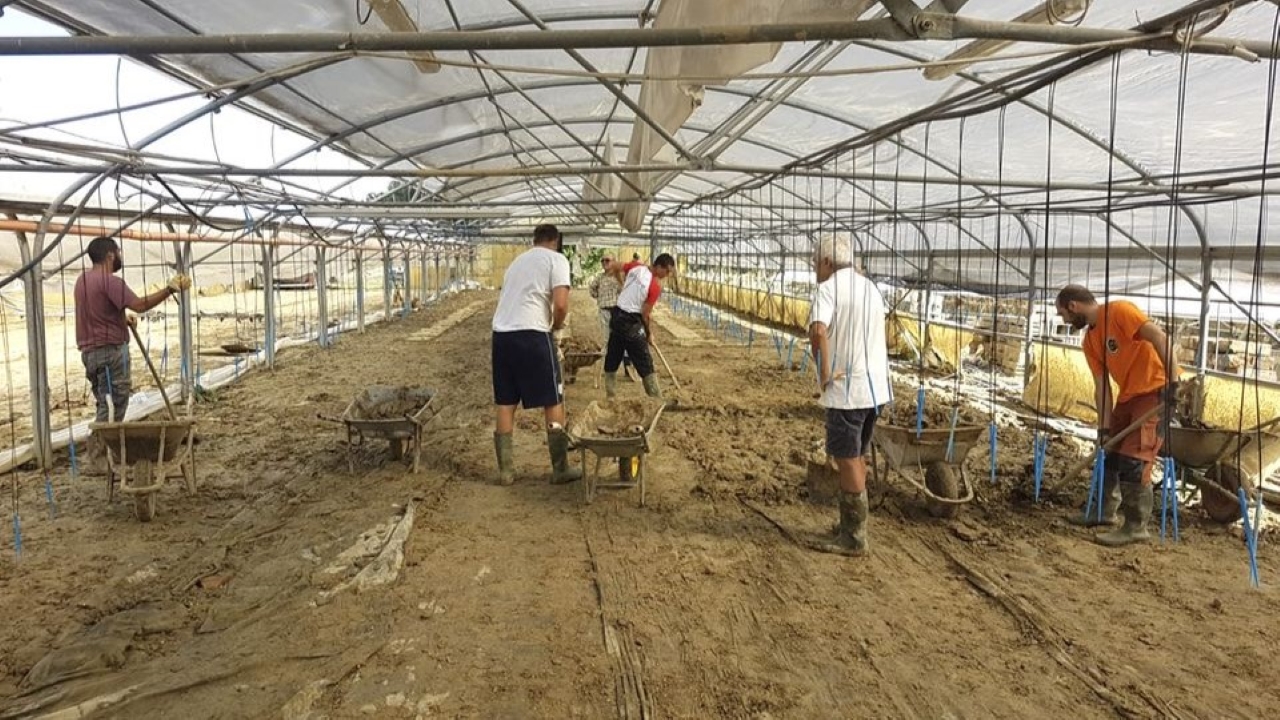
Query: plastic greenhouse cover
[1223,120]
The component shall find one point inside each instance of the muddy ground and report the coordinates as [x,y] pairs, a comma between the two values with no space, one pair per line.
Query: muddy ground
[522,602]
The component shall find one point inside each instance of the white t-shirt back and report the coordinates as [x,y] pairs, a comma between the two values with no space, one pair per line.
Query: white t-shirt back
[636,289]
[525,302]
[852,308]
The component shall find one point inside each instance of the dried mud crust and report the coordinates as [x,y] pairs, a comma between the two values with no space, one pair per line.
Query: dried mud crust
[615,418]
[575,345]
[386,402]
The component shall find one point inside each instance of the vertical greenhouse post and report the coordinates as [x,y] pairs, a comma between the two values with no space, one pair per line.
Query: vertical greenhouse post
[322,298]
[359,252]
[269,303]
[186,325]
[387,281]
[407,294]
[37,361]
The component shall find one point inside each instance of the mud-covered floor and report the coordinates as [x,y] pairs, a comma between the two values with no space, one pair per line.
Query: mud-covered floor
[524,602]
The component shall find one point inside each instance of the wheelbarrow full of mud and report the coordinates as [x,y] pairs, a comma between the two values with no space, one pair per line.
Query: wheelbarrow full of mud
[140,455]
[616,429]
[579,354]
[395,414]
[931,461]
[1220,462]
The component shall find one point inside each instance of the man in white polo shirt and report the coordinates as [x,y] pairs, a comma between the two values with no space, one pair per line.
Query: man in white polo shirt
[630,333]
[526,371]
[846,333]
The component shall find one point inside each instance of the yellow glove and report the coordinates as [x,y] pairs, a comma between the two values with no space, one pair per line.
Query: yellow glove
[179,283]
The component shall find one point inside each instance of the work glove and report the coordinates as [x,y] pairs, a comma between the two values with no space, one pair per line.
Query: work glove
[1169,395]
[179,283]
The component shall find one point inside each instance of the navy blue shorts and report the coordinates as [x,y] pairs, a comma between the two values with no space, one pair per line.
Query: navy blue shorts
[849,432]
[526,371]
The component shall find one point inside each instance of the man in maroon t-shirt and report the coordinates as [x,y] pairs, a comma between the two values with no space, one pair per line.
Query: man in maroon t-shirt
[102,330]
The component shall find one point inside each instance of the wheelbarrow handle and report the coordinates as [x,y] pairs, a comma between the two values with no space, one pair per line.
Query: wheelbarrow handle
[330,418]
[1114,441]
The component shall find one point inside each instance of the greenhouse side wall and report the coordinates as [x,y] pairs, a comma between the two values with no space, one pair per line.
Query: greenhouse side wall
[1060,384]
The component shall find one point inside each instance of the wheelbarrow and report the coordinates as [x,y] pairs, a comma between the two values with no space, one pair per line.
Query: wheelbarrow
[395,414]
[621,429]
[1201,452]
[575,361]
[931,461]
[139,455]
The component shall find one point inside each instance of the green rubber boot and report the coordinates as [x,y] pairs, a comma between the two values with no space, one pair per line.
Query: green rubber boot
[1136,503]
[651,387]
[561,473]
[611,384]
[504,447]
[851,534]
[1110,508]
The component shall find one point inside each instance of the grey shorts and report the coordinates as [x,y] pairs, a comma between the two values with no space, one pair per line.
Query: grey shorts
[849,431]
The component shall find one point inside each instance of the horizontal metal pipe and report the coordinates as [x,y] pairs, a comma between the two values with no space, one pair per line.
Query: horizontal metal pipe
[144,235]
[929,26]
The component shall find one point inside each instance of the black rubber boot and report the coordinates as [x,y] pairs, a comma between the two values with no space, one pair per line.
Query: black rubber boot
[558,444]
[611,385]
[1136,504]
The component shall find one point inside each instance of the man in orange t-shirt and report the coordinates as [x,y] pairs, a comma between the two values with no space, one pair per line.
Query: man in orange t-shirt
[1124,346]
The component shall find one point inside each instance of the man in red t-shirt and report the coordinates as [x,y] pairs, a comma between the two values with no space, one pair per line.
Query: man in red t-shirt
[1123,345]
[102,330]
[630,332]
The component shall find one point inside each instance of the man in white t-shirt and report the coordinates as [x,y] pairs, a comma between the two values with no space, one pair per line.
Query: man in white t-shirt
[630,332]
[846,333]
[526,370]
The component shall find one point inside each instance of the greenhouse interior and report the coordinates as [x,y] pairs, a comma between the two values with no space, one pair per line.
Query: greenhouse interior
[897,358]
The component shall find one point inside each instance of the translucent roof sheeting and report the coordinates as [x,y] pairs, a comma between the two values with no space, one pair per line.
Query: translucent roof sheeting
[956,187]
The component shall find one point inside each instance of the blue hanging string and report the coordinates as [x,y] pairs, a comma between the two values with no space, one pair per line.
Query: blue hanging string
[1041,446]
[951,434]
[751,337]
[17,534]
[1250,537]
[1169,499]
[777,345]
[804,362]
[790,352]
[995,444]
[919,411]
[1096,483]
[48,494]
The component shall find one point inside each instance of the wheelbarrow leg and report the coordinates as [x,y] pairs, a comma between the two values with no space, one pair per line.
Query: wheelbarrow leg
[642,476]
[417,448]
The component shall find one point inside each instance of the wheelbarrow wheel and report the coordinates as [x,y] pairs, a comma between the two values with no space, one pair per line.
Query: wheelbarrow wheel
[144,506]
[628,469]
[941,481]
[1219,507]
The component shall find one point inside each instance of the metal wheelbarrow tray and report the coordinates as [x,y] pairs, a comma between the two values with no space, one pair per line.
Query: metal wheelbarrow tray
[137,453]
[936,455]
[575,361]
[1203,450]
[395,414]
[600,431]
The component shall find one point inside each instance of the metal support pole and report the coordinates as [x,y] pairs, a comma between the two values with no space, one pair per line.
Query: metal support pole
[439,285]
[269,303]
[926,342]
[360,291]
[186,326]
[1202,351]
[37,359]
[424,287]
[388,282]
[1029,356]
[406,296]
[322,299]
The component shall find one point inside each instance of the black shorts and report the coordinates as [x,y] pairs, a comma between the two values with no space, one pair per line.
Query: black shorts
[525,370]
[849,432]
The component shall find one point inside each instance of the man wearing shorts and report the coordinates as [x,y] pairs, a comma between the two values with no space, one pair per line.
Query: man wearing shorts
[1124,346]
[846,335]
[533,304]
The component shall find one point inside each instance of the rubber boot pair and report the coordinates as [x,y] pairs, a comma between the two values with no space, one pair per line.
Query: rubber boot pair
[557,442]
[851,532]
[1135,505]
[1089,517]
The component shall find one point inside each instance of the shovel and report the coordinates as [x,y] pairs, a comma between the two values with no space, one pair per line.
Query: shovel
[673,402]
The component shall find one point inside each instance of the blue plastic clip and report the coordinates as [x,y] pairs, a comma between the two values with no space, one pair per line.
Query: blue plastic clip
[48,494]
[17,534]
[1096,483]
[991,432]
[919,411]
[1250,537]
[951,434]
[75,462]
[1169,499]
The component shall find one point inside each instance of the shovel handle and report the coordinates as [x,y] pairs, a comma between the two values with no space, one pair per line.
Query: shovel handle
[155,375]
[1115,440]
[666,365]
